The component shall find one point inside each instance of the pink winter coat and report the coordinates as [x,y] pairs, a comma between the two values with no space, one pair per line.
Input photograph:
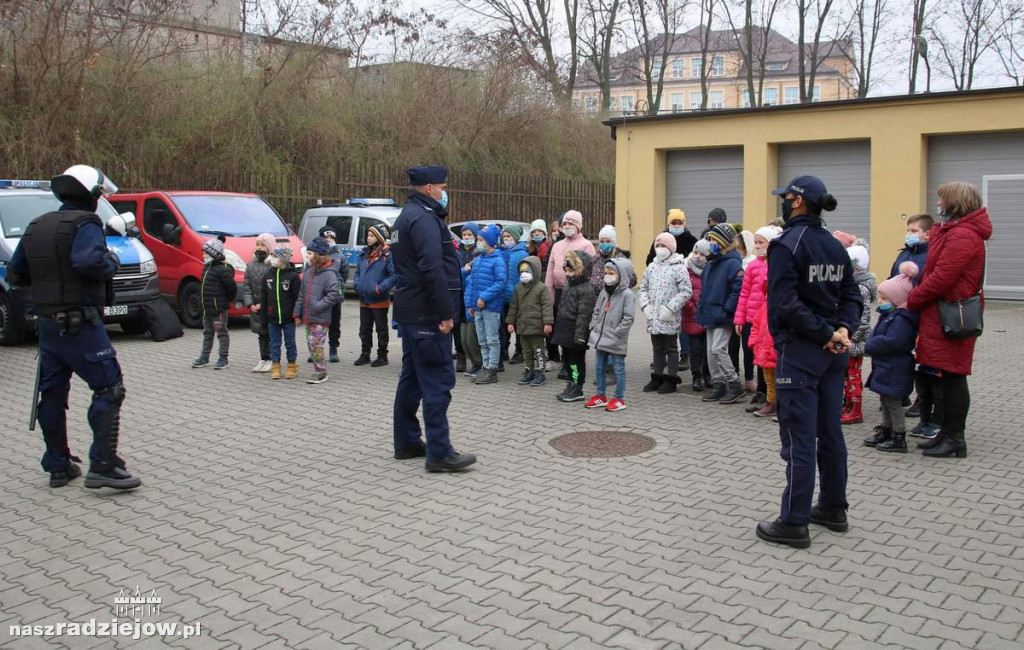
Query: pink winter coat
[555,278]
[761,339]
[752,296]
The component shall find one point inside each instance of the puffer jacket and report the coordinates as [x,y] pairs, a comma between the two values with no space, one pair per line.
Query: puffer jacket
[466,255]
[720,290]
[954,271]
[319,294]
[761,341]
[891,347]
[555,278]
[614,314]
[340,268]
[753,291]
[375,279]
[252,292]
[487,281]
[665,288]
[689,325]
[531,307]
[218,287]
[597,268]
[918,254]
[515,255]
[572,326]
[868,293]
[280,293]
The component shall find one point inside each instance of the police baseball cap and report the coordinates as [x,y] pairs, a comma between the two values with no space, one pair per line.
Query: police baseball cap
[809,187]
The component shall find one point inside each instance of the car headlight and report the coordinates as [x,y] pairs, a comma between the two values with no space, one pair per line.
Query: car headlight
[234,259]
[148,267]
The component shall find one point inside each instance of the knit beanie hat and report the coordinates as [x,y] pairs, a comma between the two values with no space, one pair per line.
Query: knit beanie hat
[573,218]
[703,246]
[675,214]
[471,227]
[722,234]
[515,230]
[738,227]
[491,234]
[768,232]
[320,246]
[381,232]
[667,240]
[845,238]
[539,224]
[283,253]
[214,247]
[695,265]
[267,240]
[608,232]
[897,288]
[328,231]
[717,215]
[748,241]
[859,256]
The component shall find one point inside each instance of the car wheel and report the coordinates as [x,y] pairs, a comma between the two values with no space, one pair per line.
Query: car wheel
[10,332]
[190,305]
[134,326]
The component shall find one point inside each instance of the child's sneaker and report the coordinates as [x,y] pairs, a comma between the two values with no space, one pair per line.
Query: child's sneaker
[200,363]
[318,378]
[765,411]
[472,372]
[538,378]
[526,378]
[597,402]
[221,364]
[615,405]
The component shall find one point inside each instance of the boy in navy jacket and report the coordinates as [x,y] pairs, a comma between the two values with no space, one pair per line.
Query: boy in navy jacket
[721,282]
[374,280]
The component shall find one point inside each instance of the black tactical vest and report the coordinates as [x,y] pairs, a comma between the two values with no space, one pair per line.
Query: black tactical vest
[47,243]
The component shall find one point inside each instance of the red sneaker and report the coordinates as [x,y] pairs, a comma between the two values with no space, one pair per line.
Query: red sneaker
[765,411]
[615,405]
[597,402]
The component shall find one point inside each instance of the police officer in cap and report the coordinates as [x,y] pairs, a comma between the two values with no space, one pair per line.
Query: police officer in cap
[426,298]
[64,262]
[813,304]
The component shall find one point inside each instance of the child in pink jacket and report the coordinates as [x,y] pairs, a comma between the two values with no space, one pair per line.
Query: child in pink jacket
[752,298]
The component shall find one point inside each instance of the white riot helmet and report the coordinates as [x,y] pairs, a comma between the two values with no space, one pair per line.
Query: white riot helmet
[82,181]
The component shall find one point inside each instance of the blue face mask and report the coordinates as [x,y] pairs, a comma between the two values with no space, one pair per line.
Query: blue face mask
[480,247]
[885,308]
[912,239]
[675,232]
[606,247]
[538,239]
[444,199]
[716,249]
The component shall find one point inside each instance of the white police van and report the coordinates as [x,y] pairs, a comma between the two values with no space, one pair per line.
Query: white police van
[351,220]
[21,201]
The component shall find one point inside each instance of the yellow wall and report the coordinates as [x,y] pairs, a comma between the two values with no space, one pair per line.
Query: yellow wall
[898,131]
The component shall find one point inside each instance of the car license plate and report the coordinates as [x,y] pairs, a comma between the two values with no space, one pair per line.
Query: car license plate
[116,310]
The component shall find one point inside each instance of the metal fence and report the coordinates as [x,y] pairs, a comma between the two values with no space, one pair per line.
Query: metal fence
[472,195]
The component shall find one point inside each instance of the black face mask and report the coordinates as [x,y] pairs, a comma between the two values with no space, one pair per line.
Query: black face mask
[787,209]
[261,256]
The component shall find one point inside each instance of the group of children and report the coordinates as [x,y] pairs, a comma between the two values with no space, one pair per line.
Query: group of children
[280,299]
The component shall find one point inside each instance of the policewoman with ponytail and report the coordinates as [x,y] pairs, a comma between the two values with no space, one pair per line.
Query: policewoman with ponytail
[813,304]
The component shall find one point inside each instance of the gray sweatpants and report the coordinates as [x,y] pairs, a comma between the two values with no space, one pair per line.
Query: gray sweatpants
[215,324]
[893,417]
[719,362]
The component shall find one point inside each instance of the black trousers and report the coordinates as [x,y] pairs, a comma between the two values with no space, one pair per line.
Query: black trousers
[459,309]
[368,319]
[666,354]
[929,395]
[575,360]
[698,357]
[748,354]
[334,331]
[506,337]
[553,354]
[956,402]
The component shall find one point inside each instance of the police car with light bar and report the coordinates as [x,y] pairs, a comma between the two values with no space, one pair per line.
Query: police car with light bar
[352,220]
[21,201]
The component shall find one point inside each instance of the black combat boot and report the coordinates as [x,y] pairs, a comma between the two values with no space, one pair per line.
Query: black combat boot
[779,532]
[881,435]
[669,385]
[897,443]
[654,384]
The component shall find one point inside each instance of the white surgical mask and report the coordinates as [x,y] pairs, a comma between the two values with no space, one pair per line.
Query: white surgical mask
[508,243]
[661,253]
[761,252]
[526,277]
[569,231]
[611,280]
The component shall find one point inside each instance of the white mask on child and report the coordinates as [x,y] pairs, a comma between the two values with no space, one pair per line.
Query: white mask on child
[661,253]
[526,277]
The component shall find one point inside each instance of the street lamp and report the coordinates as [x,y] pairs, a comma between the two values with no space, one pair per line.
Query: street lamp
[921,49]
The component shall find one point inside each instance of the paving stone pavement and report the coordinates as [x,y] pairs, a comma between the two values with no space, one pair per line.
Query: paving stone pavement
[273,514]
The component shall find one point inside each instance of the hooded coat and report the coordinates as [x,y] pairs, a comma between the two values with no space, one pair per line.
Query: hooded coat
[868,293]
[752,292]
[665,288]
[487,281]
[891,348]
[720,290]
[319,294]
[555,278]
[218,287]
[614,313]
[375,278]
[252,291]
[531,307]
[954,271]
[689,324]
[572,327]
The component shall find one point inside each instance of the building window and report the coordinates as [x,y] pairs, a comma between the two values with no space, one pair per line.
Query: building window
[717,66]
[626,103]
[771,97]
[575,103]
[656,70]
[590,104]
[695,100]
[676,102]
[816,94]
[777,65]
[792,95]
[678,68]
[716,99]
[695,68]
[746,98]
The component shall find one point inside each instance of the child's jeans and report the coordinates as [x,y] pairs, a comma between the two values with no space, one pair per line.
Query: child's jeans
[288,330]
[618,363]
[316,339]
[487,324]
[215,324]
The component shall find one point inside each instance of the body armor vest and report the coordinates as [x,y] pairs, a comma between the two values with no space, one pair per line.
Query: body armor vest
[56,286]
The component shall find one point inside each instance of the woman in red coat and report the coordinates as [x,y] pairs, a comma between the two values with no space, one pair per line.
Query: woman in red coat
[954,271]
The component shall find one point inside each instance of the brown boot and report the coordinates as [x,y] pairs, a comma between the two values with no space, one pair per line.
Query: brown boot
[275,371]
[292,371]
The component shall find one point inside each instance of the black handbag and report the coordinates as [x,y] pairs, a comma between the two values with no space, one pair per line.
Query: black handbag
[963,319]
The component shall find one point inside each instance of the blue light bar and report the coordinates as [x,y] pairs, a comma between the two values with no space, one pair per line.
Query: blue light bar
[25,184]
[367,202]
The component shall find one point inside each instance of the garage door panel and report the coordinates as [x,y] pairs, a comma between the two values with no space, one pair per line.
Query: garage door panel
[1005,273]
[698,180]
[845,168]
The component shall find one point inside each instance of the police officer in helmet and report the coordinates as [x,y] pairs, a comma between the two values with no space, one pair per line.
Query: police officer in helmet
[813,303]
[426,305]
[63,261]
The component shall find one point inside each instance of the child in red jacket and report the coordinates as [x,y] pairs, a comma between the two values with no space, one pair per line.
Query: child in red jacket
[695,262]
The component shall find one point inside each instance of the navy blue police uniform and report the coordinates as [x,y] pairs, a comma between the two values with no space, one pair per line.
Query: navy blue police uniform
[64,262]
[811,294]
[426,293]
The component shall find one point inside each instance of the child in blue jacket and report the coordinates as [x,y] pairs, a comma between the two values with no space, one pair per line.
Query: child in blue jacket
[891,348]
[721,282]
[487,286]
[375,278]
[470,360]
[515,251]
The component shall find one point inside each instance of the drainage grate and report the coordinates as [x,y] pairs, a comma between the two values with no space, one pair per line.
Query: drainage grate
[602,444]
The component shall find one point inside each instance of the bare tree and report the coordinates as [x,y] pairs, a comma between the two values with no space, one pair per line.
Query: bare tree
[811,60]
[920,13]
[653,25]
[597,35]
[869,17]
[1009,44]
[752,40]
[962,50]
[707,17]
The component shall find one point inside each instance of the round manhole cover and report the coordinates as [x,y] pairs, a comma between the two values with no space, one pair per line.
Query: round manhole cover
[602,444]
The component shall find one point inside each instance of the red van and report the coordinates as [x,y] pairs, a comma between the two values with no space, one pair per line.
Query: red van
[175,224]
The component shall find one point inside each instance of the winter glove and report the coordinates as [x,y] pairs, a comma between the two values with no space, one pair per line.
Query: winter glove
[649,312]
[666,315]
